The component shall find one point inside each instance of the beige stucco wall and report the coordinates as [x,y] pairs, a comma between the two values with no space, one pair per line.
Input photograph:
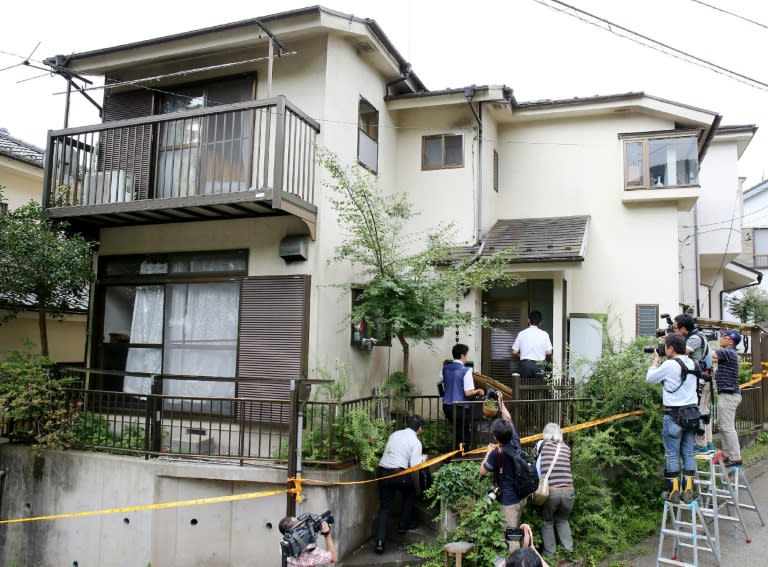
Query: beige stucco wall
[66,338]
[574,167]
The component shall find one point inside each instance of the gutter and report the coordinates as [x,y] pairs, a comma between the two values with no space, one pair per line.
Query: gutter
[710,135]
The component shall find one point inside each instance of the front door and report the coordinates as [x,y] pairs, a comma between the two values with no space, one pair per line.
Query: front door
[498,362]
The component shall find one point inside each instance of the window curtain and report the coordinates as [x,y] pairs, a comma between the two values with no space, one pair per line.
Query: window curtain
[147,328]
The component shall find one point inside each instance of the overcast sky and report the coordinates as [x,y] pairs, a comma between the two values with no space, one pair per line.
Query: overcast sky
[539,52]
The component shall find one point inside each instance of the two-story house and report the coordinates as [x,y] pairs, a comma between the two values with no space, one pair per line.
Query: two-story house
[21,177]
[215,229]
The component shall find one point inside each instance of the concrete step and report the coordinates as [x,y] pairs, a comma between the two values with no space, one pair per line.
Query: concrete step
[395,554]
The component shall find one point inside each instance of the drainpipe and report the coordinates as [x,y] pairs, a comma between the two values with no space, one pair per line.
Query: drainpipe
[469,93]
[696,255]
[405,74]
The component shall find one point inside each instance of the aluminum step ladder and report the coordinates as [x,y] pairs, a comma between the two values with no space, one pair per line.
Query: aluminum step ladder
[718,488]
[691,533]
[741,489]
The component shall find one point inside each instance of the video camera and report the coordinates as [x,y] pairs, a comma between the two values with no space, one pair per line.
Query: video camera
[304,533]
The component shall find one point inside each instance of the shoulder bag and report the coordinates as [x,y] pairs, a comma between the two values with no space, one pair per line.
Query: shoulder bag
[542,492]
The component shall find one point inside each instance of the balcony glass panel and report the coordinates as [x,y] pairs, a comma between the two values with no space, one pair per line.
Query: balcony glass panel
[634,164]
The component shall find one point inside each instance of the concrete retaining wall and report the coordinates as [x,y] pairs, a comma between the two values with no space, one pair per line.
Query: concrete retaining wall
[214,535]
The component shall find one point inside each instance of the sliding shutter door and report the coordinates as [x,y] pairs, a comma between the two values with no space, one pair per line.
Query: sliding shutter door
[274,331]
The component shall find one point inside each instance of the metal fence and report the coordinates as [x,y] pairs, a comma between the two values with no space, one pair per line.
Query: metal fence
[155,424]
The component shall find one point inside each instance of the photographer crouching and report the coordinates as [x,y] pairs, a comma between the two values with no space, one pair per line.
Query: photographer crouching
[299,547]
[681,414]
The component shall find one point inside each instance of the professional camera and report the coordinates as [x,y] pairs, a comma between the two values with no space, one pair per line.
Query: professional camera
[661,332]
[513,534]
[658,347]
[304,533]
[493,493]
[670,328]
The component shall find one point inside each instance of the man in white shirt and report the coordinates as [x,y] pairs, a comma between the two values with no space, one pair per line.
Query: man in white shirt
[678,391]
[532,346]
[403,450]
[459,386]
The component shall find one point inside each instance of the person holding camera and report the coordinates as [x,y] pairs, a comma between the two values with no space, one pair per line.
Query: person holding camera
[678,392]
[402,451]
[697,348]
[497,463]
[526,555]
[458,387]
[311,554]
[728,395]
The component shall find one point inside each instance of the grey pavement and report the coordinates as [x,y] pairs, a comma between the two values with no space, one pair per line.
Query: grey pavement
[735,551]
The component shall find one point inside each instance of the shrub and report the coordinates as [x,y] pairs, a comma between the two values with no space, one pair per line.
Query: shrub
[35,401]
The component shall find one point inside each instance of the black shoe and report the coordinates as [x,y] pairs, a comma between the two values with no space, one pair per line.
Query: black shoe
[379,547]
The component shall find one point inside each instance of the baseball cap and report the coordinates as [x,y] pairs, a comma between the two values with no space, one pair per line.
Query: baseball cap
[733,335]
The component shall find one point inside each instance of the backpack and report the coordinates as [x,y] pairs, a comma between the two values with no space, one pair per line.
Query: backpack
[706,355]
[524,477]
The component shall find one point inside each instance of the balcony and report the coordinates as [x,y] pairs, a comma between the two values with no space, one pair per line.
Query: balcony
[241,160]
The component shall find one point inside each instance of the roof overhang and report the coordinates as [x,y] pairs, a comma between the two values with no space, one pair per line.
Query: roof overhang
[740,135]
[287,26]
[446,97]
[737,276]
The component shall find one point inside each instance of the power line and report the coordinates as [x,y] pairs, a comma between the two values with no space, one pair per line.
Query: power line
[730,13]
[652,43]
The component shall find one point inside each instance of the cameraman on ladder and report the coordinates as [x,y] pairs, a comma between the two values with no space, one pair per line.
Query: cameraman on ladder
[697,348]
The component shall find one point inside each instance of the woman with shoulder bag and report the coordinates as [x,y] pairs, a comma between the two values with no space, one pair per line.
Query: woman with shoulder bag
[558,507]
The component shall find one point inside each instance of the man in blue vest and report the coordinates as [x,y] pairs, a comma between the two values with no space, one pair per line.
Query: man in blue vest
[458,386]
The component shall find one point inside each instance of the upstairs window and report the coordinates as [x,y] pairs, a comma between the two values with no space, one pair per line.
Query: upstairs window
[444,151]
[670,161]
[368,136]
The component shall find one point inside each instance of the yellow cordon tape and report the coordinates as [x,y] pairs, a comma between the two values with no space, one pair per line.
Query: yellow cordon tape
[162,506]
[298,481]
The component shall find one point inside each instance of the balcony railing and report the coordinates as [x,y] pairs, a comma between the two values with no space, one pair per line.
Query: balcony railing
[246,159]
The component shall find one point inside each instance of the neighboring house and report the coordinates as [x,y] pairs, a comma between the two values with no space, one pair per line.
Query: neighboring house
[21,175]
[215,229]
[754,234]
[710,234]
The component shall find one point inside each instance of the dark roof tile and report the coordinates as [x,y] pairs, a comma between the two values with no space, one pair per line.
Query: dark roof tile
[19,150]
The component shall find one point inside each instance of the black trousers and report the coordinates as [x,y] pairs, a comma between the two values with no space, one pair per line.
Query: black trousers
[461,418]
[387,491]
[532,369]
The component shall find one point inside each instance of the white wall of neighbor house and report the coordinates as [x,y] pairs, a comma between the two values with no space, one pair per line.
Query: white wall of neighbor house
[719,210]
[574,167]
[22,182]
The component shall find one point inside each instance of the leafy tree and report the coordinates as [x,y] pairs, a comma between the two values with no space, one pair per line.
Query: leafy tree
[41,264]
[752,305]
[412,279]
